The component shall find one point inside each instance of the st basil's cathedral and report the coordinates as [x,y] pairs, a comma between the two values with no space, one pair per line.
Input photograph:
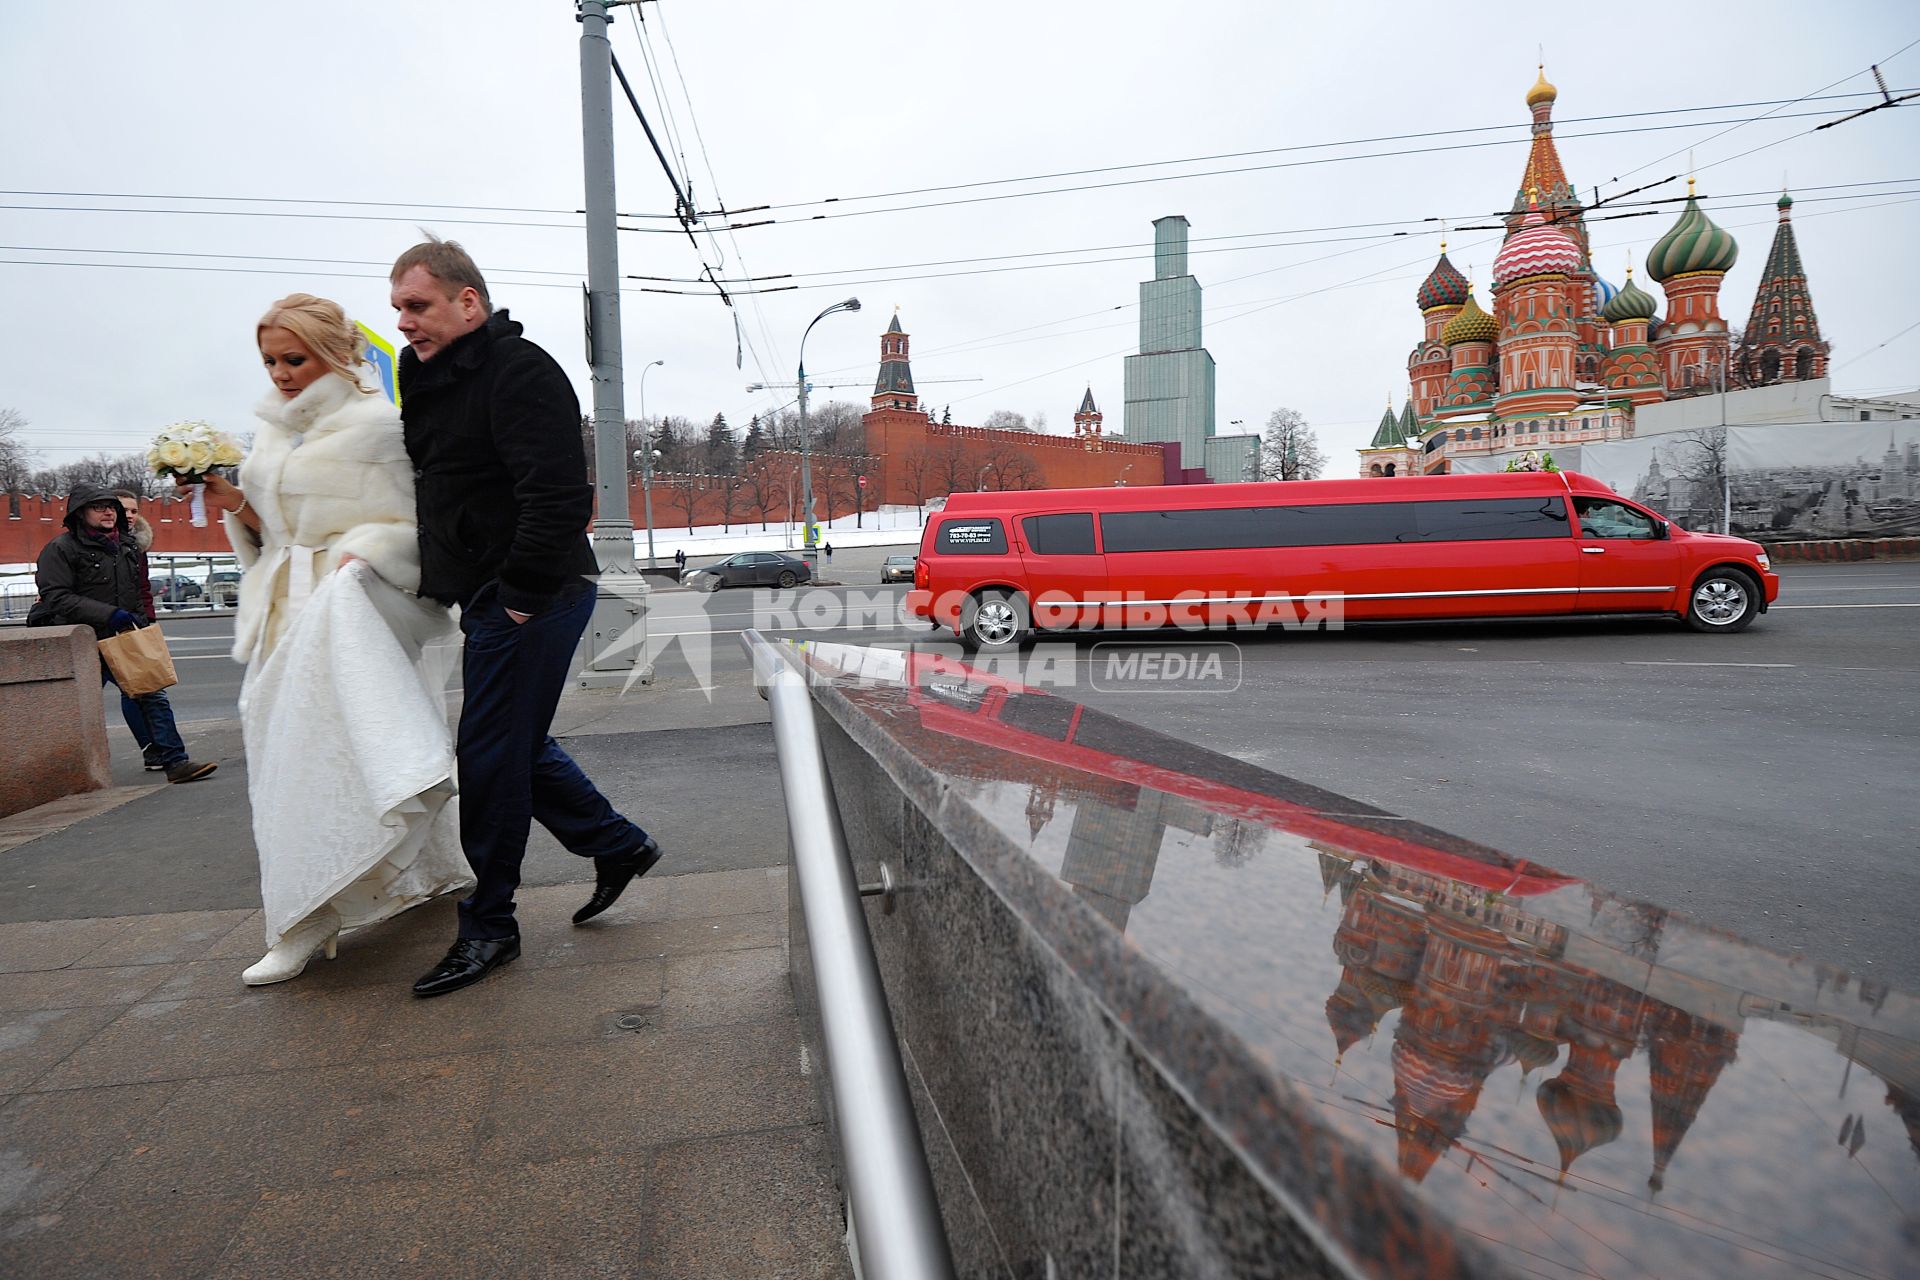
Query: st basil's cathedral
[1562,356]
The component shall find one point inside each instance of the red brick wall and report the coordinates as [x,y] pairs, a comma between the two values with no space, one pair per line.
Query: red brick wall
[39,523]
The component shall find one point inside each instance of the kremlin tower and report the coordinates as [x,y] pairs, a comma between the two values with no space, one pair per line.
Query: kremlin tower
[893,389]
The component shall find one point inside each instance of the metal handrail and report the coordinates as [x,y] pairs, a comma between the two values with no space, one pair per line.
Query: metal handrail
[891,1205]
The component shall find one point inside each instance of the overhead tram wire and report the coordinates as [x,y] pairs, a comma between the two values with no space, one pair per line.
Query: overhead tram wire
[643,37]
[1365,242]
[1814,96]
[1206,173]
[1304,146]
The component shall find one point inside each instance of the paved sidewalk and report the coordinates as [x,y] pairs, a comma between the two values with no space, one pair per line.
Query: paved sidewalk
[627,1099]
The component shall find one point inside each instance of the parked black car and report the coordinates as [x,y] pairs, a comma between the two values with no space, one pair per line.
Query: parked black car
[896,569]
[750,569]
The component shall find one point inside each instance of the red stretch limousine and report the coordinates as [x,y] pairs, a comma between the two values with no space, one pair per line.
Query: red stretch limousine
[996,568]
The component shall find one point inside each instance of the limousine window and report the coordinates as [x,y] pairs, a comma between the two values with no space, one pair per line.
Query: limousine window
[1479,519]
[980,536]
[1063,535]
[1605,518]
[1334,524]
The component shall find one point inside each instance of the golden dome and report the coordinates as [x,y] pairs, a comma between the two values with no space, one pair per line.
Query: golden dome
[1542,90]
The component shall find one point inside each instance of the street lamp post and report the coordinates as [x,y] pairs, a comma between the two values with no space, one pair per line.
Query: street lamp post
[646,460]
[806,449]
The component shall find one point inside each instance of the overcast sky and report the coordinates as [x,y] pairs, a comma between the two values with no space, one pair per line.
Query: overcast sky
[126,109]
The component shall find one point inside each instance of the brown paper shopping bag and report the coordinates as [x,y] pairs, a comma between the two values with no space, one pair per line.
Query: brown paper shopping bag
[139,661]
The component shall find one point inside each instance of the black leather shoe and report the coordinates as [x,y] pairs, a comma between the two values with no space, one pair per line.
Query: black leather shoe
[466,962]
[613,875]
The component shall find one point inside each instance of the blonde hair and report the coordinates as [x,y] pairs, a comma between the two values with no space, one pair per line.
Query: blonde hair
[324,328]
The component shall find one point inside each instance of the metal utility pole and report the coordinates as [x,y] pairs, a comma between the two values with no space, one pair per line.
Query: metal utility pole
[806,440]
[613,651]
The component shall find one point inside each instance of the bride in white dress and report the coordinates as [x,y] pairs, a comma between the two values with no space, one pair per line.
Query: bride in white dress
[349,757]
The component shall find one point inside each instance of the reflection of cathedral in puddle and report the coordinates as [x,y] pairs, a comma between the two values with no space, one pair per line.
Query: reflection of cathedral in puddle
[1482,982]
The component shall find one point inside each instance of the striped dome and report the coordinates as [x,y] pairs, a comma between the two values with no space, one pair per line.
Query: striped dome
[1603,292]
[1537,249]
[1631,303]
[1471,325]
[1443,287]
[1693,244]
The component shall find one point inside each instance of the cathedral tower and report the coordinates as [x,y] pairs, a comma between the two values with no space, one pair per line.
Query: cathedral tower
[1631,371]
[1690,262]
[1469,338]
[1782,342]
[1440,298]
[893,389]
[1533,294]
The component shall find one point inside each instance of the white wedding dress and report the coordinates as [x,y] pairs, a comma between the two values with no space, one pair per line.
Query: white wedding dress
[351,761]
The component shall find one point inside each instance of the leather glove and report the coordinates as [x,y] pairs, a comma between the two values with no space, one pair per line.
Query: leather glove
[122,620]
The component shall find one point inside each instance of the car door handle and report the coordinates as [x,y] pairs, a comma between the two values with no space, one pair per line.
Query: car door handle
[1593,551]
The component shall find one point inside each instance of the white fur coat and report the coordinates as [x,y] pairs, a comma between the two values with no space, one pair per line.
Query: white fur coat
[328,476]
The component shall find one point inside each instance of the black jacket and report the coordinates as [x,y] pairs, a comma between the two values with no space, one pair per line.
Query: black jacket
[493,428]
[83,577]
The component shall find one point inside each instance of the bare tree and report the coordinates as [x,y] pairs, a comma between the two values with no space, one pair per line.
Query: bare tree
[918,472]
[760,486]
[1290,449]
[677,493]
[735,499]
[1006,420]
[16,460]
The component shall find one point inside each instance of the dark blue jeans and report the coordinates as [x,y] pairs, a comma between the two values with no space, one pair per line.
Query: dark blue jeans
[512,773]
[150,717]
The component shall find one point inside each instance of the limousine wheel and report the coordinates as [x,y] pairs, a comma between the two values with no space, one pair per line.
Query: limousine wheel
[787,579]
[993,622]
[1723,599]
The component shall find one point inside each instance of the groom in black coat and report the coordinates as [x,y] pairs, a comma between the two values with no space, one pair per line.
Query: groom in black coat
[493,428]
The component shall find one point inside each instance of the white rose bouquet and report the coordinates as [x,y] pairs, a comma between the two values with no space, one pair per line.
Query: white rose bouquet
[187,451]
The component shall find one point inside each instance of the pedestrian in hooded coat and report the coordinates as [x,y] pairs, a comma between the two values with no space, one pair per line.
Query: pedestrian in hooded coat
[94,575]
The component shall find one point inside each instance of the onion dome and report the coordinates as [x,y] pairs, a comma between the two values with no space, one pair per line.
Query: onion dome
[1444,285]
[1536,249]
[1631,303]
[1543,90]
[1471,325]
[1694,243]
[1785,201]
[1603,292]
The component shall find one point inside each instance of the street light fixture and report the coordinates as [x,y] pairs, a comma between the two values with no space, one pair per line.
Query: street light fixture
[646,457]
[806,449]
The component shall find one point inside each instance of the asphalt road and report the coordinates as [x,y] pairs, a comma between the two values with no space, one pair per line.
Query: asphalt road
[1763,781]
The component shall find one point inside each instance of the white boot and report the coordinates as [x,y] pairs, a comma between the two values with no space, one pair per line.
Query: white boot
[288,957]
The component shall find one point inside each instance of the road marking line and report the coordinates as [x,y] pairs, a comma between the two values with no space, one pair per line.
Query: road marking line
[1709,664]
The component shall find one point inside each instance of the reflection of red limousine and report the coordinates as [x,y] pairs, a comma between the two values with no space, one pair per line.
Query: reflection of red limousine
[998,567]
[958,701]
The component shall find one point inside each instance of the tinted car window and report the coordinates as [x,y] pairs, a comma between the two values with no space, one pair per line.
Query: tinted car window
[1481,518]
[1335,524]
[1229,527]
[976,537]
[1605,518]
[1065,535]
